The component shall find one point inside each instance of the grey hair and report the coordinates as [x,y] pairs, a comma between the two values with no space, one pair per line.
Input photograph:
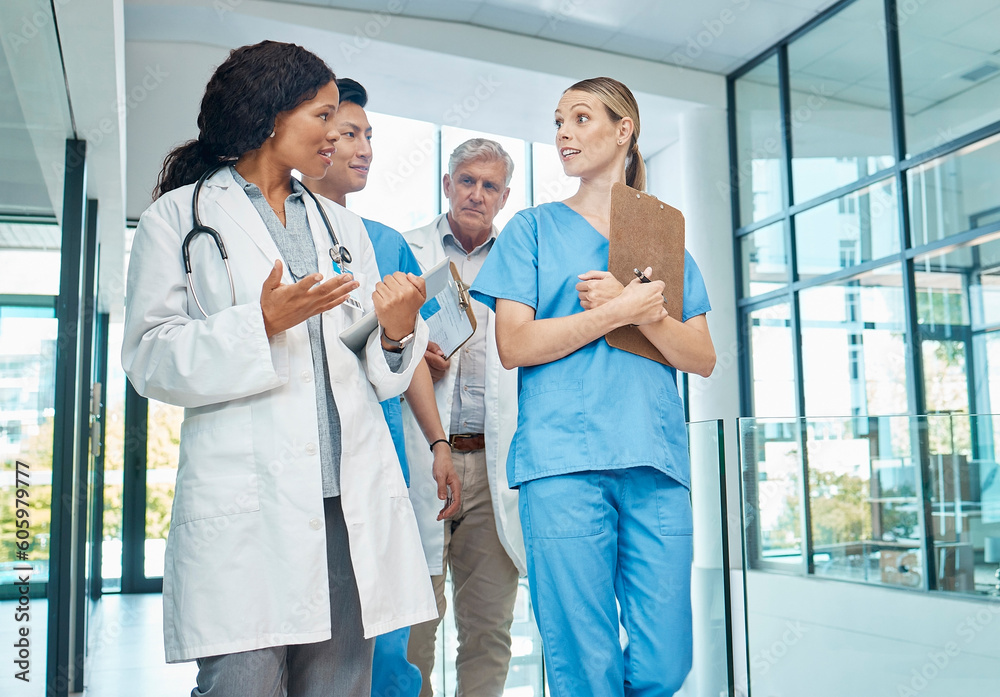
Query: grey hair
[481,149]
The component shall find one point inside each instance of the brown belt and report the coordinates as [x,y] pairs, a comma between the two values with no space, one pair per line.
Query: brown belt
[467,441]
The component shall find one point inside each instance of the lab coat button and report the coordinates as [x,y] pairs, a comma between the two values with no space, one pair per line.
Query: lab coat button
[311,449]
[306,376]
[315,523]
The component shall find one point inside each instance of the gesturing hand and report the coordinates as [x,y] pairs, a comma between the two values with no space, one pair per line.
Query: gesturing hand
[596,288]
[436,362]
[397,299]
[285,306]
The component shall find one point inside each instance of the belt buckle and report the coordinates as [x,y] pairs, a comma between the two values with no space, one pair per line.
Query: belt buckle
[456,441]
[455,437]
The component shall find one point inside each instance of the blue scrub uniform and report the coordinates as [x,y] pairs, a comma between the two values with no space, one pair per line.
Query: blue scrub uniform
[392,674]
[600,456]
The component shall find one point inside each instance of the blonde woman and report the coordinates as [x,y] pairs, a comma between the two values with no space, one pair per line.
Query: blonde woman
[600,453]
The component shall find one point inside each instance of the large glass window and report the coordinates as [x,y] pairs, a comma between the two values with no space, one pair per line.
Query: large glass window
[163,438]
[452,137]
[758,142]
[29,257]
[854,346]
[951,74]
[27,413]
[114,462]
[839,92]
[549,182]
[404,170]
[859,227]
[765,260]
[771,360]
[863,500]
[772,471]
[958,303]
[955,193]
[886,496]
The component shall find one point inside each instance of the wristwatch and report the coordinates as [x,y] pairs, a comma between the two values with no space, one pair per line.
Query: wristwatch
[396,346]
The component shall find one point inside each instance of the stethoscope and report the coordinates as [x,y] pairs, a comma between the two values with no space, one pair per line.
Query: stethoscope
[338,252]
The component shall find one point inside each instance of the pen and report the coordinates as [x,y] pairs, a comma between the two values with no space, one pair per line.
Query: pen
[643,279]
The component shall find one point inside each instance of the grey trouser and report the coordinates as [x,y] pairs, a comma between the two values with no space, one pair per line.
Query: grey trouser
[338,667]
[485,587]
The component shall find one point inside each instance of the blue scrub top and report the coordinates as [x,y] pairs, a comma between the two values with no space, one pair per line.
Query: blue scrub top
[598,408]
[393,254]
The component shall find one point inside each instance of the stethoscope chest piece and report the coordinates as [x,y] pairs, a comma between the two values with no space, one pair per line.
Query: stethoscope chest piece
[340,255]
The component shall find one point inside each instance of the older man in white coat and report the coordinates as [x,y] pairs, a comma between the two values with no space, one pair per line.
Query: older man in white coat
[477,399]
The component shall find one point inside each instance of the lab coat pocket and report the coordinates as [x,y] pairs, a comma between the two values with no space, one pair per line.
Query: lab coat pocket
[217,474]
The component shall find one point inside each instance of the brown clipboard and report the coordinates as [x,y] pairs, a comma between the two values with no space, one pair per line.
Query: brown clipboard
[464,304]
[645,232]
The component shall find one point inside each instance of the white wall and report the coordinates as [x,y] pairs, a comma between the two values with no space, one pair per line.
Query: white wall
[441,72]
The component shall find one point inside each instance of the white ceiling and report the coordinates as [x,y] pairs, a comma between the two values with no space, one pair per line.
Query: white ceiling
[711,35]
[413,67]
[940,41]
[34,111]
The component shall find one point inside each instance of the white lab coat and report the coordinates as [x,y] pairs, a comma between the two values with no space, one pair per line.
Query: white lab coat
[501,422]
[246,564]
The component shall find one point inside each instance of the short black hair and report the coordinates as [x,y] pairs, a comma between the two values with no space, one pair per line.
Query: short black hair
[352,91]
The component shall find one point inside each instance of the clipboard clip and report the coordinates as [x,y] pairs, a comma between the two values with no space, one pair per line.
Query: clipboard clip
[464,299]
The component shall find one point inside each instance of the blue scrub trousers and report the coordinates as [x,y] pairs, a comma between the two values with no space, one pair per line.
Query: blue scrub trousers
[592,538]
[392,674]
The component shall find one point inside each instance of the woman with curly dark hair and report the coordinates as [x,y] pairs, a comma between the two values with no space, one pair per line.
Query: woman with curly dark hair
[291,533]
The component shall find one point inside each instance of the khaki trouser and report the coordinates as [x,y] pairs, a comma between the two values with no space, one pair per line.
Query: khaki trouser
[484,581]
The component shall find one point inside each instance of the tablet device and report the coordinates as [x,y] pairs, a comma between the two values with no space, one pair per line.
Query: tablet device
[356,335]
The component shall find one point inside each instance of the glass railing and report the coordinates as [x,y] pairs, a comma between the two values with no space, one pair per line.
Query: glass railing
[904,501]
[712,591]
[873,546]
[716,572]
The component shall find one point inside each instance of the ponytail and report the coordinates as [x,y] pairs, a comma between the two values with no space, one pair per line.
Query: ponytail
[184,165]
[635,168]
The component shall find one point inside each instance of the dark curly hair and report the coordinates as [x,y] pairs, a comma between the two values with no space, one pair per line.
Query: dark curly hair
[251,87]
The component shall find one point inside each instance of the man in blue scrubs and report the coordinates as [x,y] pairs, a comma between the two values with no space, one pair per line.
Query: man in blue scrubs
[392,674]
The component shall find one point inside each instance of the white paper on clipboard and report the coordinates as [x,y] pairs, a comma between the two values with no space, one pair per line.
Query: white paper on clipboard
[453,324]
[356,335]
